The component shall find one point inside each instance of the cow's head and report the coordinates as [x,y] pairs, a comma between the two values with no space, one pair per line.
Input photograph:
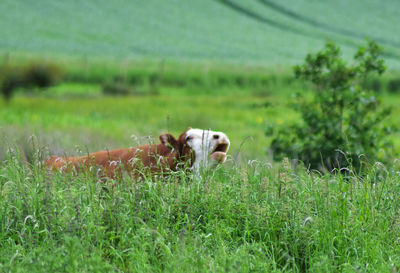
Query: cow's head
[202,147]
[209,147]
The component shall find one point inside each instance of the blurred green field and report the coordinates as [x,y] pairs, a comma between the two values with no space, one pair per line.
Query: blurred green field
[76,118]
[266,32]
[108,122]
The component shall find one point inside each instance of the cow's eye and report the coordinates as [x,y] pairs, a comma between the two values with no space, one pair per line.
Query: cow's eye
[188,138]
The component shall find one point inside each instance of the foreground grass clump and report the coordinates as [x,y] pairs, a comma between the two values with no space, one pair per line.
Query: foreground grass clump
[252,219]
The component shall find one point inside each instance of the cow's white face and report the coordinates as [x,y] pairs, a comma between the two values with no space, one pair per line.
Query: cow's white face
[209,147]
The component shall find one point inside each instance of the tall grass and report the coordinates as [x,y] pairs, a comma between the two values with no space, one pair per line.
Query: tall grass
[255,218]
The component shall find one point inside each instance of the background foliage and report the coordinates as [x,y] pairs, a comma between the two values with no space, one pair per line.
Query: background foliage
[342,123]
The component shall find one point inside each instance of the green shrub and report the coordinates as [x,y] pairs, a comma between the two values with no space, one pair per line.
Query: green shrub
[342,122]
[33,75]
[41,75]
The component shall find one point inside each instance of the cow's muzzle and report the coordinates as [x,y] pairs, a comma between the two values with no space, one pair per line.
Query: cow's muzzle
[219,152]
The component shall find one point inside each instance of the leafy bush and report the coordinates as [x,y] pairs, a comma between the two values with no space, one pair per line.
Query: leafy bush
[32,75]
[342,121]
[41,74]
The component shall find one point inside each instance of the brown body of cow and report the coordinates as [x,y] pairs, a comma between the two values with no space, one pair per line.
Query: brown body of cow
[169,155]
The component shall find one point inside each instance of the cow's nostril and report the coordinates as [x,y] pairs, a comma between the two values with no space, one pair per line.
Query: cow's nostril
[216,136]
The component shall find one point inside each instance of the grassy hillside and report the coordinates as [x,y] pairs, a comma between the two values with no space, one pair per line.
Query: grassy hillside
[256,31]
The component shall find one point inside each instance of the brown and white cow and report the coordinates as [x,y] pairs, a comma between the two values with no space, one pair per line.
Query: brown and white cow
[194,149]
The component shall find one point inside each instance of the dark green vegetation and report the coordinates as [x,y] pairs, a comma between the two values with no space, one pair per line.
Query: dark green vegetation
[343,122]
[31,76]
[233,220]
[257,31]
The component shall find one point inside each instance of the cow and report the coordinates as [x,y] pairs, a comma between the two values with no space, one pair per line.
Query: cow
[192,150]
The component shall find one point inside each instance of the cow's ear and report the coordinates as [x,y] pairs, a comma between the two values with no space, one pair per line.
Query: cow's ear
[169,140]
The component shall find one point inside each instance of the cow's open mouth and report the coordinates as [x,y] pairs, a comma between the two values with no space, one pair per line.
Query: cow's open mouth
[219,152]
[222,147]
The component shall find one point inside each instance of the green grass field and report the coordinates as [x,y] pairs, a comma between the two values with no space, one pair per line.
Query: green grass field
[108,122]
[71,115]
[263,31]
[219,64]
[249,215]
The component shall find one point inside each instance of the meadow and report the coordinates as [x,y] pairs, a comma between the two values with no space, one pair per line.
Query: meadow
[131,70]
[264,32]
[250,215]
[249,219]
[75,115]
